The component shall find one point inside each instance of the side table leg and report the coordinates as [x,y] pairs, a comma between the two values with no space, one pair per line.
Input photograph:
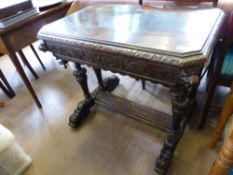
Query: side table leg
[37,56]
[24,59]
[83,108]
[14,59]
[6,86]
[182,103]
[9,93]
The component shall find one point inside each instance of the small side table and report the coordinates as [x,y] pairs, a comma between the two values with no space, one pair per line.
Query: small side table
[23,33]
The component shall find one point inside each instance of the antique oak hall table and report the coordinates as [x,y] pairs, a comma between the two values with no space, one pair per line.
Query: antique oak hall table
[164,45]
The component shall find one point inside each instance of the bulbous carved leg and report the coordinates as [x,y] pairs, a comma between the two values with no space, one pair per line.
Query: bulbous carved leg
[182,102]
[83,108]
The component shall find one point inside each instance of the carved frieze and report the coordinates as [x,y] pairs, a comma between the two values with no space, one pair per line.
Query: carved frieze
[126,65]
[136,53]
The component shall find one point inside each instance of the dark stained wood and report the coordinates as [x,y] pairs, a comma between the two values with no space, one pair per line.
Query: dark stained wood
[183,83]
[21,72]
[13,8]
[37,56]
[50,13]
[9,91]
[182,103]
[139,68]
[139,62]
[142,113]
[5,86]
[5,90]
[81,77]
[25,61]
[83,108]
[23,33]
[99,77]
[143,84]
[127,107]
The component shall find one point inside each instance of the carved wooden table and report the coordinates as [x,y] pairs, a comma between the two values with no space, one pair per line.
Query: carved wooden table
[167,46]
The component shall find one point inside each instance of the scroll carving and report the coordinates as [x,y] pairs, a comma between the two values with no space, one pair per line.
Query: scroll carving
[136,53]
[135,67]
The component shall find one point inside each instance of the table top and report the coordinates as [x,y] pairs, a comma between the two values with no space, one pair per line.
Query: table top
[171,35]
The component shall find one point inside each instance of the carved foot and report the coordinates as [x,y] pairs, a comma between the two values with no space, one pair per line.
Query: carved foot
[164,160]
[111,83]
[80,113]
[163,163]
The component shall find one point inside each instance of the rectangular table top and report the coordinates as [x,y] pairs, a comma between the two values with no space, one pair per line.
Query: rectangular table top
[176,35]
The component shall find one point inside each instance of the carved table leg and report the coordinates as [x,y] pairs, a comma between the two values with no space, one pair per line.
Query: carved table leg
[83,108]
[99,77]
[182,103]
